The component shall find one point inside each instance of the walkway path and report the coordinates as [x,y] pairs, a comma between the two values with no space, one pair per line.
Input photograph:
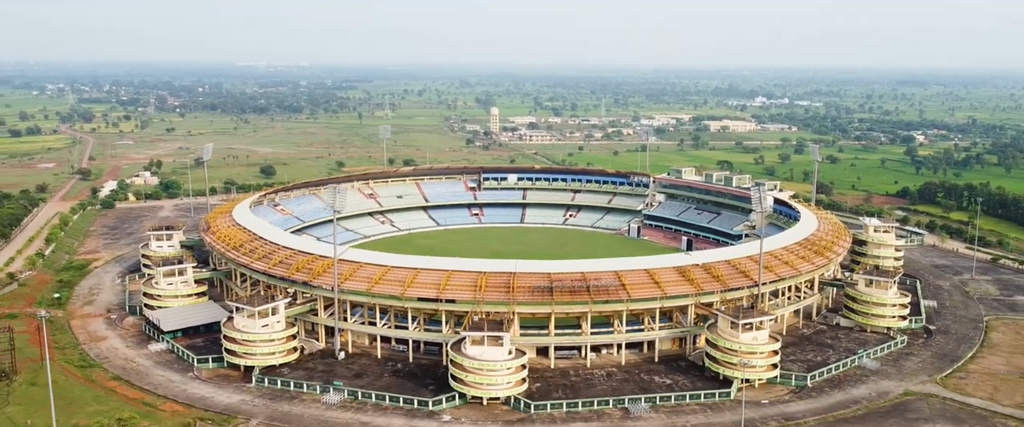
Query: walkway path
[938,390]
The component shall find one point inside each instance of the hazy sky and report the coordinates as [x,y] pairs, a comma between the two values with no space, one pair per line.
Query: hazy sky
[974,34]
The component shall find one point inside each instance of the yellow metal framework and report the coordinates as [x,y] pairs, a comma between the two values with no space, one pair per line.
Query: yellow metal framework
[234,243]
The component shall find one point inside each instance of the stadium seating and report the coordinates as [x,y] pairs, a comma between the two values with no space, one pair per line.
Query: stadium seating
[548,196]
[502,214]
[595,198]
[499,195]
[447,191]
[366,225]
[671,209]
[697,216]
[307,207]
[342,238]
[395,195]
[626,201]
[586,217]
[410,219]
[537,214]
[769,230]
[320,230]
[451,215]
[727,221]
[615,220]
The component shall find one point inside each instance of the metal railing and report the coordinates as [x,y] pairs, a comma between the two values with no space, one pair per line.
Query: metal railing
[796,379]
[916,322]
[204,362]
[527,406]
[391,399]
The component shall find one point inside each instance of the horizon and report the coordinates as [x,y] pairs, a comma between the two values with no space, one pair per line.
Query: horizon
[527,34]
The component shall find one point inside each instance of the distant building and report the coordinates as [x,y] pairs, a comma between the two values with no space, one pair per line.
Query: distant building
[470,128]
[533,137]
[777,128]
[730,126]
[522,120]
[553,120]
[143,178]
[495,122]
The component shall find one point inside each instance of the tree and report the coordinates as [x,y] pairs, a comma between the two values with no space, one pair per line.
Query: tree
[908,139]
[512,161]
[107,203]
[15,132]
[883,161]
[42,187]
[22,116]
[340,164]
[408,162]
[738,143]
[391,161]
[181,115]
[697,139]
[85,173]
[785,157]
[359,114]
[268,171]
[724,165]
[771,171]
[806,175]
[470,141]
[3,121]
[615,152]
[580,148]
[825,189]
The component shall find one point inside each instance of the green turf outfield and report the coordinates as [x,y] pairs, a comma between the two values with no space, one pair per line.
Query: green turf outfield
[542,243]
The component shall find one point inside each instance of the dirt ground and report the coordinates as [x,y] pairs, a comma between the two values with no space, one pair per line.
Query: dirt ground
[876,200]
[996,372]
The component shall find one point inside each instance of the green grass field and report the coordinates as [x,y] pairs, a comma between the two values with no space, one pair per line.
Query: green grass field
[537,243]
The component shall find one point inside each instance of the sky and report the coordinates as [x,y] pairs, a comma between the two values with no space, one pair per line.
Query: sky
[643,34]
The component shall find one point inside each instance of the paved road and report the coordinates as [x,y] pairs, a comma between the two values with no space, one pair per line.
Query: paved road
[52,207]
[935,389]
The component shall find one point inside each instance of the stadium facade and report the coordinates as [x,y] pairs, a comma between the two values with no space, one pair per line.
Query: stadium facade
[274,255]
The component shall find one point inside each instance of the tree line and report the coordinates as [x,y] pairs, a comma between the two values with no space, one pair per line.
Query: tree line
[997,202]
[14,208]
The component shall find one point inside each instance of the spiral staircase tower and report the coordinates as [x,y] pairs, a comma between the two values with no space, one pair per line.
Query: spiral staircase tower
[171,283]
[258,334]
[874,302]
[487,366]
[739,345]
[169,270]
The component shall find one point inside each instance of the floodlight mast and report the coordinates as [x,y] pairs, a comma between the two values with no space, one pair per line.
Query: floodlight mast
[815,158]
[339,205]
[206,156]
[384,132]
[761,204]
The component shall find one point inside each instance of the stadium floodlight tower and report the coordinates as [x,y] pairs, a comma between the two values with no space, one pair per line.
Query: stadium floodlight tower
[340,201]
[42,315]
[205,157]
[191,202]
[761,203]
[384,132]
[815,158]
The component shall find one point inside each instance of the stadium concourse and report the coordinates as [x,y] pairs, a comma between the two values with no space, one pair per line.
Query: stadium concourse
[278,278]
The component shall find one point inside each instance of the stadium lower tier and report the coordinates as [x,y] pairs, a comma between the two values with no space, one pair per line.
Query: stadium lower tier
[551,330]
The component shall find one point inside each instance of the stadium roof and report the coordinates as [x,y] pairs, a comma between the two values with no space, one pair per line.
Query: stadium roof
[242,214]
[176,318]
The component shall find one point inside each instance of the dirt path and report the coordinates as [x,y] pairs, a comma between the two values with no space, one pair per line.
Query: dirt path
[53,206]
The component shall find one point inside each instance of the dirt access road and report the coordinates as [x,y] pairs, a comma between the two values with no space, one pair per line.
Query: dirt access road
[52,207]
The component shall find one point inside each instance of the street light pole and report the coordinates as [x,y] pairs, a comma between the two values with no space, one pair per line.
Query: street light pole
[743,393]
[42,316]
[977,230]
[815,158]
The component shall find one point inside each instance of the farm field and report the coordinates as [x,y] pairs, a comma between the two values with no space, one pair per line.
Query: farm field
[993,373]
[538,243]
[987,222]
[858,170]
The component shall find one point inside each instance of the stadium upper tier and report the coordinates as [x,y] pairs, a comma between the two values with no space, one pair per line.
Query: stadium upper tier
[239,233]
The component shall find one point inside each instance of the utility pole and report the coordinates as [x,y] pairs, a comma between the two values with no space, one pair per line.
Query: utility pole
[977,230]
[42,315]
